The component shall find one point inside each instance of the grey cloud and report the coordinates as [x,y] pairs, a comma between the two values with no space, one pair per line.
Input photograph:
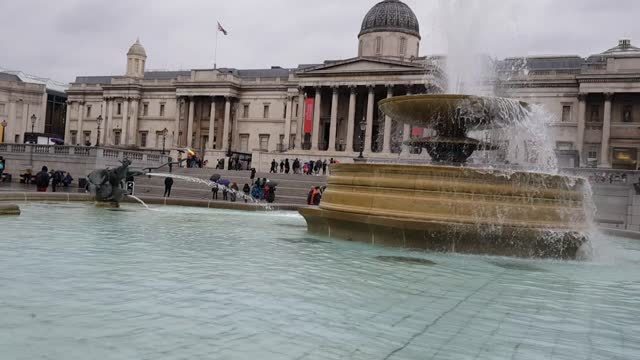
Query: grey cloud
[91,37]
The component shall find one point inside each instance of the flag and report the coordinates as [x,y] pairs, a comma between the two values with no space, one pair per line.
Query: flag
[222,30]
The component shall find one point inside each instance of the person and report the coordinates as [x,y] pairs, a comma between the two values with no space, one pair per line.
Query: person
[66,182]
[310,195]
[287,166]
[281,166]
[168,183]
[317,196]
[296,166]
[225,193]
[274,167]
[42,179]
[253,175]
[255,192]
[179,159]
[318,167]
[311,167]
[270,196]
[214,192]
[234,191]
[2,165]
[170,159]
[324,167]
[56,178]
[247,192]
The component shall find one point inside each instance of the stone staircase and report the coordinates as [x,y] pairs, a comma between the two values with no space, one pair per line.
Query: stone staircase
[291,189]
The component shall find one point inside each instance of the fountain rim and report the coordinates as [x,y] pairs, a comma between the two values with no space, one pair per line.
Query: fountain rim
[445,97]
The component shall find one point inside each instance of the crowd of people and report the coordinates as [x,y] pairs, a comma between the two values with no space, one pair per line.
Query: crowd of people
[311,167]
[55,178]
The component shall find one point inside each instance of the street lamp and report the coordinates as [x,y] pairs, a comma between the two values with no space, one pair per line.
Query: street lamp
[164,138]
[98,121]
[363,127]
[33,122]
[4,126]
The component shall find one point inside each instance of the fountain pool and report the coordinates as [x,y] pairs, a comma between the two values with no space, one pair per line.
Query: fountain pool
[184,283]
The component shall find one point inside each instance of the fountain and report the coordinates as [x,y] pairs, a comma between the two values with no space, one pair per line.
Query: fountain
[446,206]
[107,185]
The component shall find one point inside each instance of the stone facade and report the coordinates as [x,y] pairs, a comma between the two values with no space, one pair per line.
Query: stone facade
[226,111]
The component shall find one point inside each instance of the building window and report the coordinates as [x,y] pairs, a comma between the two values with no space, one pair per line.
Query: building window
[116,137]
[595,113]
[74,137]
[244,143]
[265,111]
[88,111]
[145,109]
[627,113]
[403,46]
[87,138]
[245,111]
[2,108]
[297,109]
[264,142]
[564,145]
[143,138]
[161,110]
[566,113]
[119,109]
[378,45]
[284,114]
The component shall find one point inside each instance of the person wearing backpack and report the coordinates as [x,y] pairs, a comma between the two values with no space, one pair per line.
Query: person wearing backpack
[42,179]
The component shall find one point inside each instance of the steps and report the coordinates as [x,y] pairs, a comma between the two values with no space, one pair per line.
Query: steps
[291,189]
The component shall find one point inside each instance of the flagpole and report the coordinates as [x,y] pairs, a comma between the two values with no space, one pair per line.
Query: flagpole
[215,54]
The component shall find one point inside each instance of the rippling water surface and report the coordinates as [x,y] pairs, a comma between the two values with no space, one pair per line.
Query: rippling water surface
[77,282]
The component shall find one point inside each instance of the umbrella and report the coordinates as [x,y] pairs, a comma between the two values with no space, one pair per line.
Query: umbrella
[215,177]
[224,182]
[272,183]
[190,151]
[57,141]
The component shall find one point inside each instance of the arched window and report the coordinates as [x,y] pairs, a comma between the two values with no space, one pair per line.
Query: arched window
[403,46]
[378,45]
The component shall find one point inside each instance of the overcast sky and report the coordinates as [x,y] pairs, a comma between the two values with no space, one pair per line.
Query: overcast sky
[66,38]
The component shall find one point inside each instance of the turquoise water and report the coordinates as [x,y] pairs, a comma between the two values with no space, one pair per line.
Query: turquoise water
[77,282]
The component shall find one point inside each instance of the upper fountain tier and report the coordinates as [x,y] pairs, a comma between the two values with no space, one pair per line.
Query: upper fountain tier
[452,117]
[453,111]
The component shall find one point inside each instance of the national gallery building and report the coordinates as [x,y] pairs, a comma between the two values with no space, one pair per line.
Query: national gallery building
[330,109]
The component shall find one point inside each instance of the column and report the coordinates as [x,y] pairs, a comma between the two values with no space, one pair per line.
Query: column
[67,124]
[406,132]
[606,131]
[300,124]
[103,126]
[13,122]
[80,133]
[386,147]
[227,123]
[369,128]
[125,122]
[109,127]
[212,123]
[334,120]
[582,113]
[192,106]
[316,120]
[287,123]
[351,118]
[24,121]
[176,125]
[133,122]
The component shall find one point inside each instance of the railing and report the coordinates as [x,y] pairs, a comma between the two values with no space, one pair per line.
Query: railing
[82,152]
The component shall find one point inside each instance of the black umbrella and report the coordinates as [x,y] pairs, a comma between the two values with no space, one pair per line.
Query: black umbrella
[215,177]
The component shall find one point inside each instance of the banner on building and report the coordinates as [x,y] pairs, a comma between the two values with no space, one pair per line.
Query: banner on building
[308,115]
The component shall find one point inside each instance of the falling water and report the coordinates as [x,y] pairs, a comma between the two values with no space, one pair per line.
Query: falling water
[140,201]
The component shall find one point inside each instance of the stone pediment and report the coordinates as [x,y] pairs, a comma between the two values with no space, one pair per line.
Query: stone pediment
[363,65]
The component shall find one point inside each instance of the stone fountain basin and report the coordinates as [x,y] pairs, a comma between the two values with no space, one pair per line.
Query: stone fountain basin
[430,110]
[454,209]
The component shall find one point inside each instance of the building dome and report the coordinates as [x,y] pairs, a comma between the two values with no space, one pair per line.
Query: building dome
[137,49]
[391,16]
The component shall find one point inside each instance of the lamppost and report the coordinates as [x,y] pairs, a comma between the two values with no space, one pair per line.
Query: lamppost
[164,139]
[33,122]
[363,127]
[4,126]
[98,121]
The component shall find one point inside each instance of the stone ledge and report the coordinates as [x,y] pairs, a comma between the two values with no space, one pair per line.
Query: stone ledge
[9,209]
